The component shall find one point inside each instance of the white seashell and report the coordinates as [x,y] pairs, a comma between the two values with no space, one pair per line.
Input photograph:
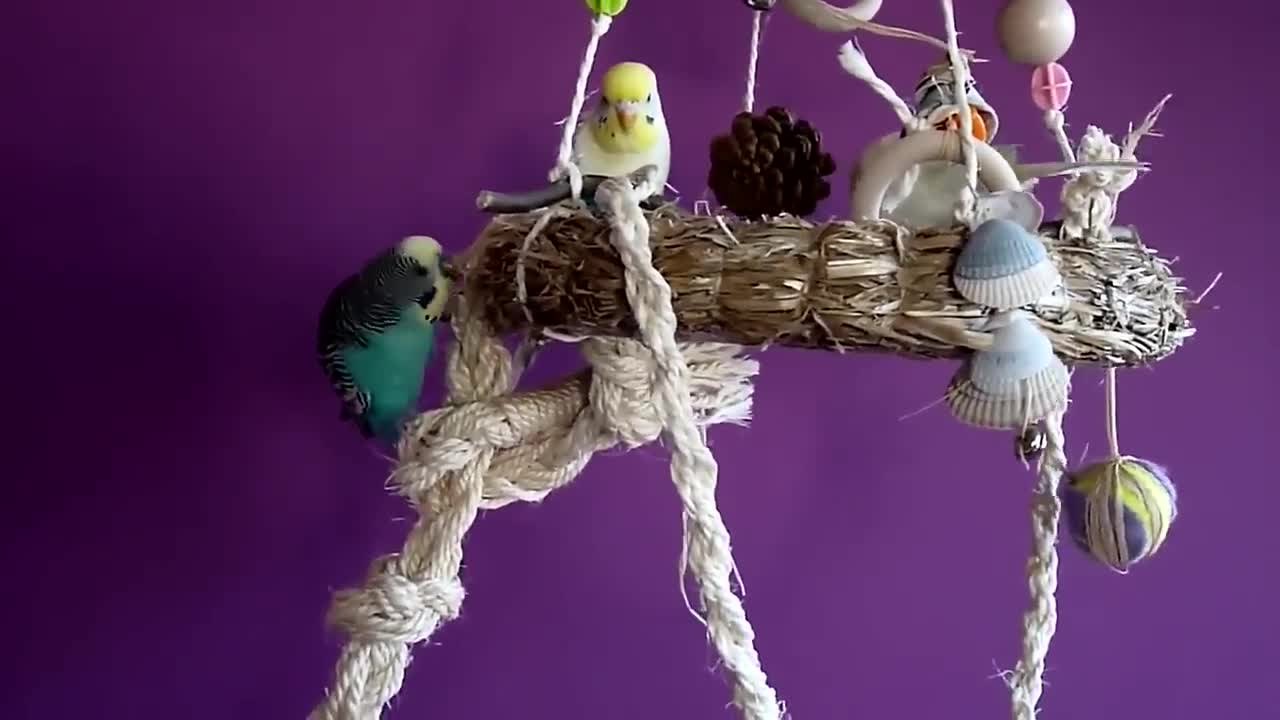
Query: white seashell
[1014,407]
[1004,266]
[1014,383]
[1018,351]
[1017,205]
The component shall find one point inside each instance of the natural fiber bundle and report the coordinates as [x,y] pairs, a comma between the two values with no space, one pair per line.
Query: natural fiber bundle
[836,285]
[770,164]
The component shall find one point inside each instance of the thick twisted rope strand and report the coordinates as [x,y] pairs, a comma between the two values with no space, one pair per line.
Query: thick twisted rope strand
[1041,618]
[693,468]
[544,438]
[600,25]
[407,595]
[487,449]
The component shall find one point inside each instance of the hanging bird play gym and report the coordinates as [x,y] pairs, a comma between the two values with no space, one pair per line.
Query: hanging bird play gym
[945,255]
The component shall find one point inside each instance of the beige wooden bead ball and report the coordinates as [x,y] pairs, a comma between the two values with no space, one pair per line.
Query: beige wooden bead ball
[1036,32]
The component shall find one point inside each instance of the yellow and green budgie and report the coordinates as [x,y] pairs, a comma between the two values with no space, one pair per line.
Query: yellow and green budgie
[627,130]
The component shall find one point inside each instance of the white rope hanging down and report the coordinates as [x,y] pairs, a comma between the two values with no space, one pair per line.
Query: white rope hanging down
[1113,429]
[753,60]
[960,73]
[565,166]
[693,468]
[1041,619]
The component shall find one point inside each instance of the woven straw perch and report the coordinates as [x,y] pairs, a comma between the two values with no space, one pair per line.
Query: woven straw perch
[833,286]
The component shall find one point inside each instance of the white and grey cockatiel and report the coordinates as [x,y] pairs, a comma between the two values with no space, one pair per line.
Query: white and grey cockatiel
[627,130]
[928,194]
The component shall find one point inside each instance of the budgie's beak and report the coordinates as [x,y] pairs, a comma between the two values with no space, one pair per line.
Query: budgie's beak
[979,124]
[626,117]
[448,270]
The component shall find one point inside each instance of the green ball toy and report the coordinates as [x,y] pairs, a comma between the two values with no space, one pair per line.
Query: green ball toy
[606,7]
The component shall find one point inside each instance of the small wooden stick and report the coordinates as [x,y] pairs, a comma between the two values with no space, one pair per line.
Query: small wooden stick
[546,196]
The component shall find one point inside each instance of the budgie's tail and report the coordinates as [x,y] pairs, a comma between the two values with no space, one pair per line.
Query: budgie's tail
[382,427]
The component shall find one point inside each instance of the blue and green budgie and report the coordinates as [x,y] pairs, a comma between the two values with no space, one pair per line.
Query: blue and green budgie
[377,332]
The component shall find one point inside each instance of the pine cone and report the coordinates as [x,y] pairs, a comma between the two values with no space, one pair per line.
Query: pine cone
[770,164]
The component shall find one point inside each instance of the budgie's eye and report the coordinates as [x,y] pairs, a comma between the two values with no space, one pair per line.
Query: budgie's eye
[604,100]
[420,271]
[648,98]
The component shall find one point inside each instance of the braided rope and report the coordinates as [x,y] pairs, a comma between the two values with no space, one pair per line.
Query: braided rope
[487,448]
[1040,621]
[408,594]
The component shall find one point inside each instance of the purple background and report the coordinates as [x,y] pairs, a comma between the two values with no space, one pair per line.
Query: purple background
[185,183]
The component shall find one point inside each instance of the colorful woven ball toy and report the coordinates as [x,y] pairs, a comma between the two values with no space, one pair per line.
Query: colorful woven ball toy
[1119,510]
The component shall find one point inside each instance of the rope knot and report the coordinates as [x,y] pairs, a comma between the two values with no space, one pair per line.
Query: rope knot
[1089,198]
[621,389]
[394,605]
[448,439]
[600,24]
[1097,146]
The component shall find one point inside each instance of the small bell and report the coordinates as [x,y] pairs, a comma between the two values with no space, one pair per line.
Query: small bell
[1030,443]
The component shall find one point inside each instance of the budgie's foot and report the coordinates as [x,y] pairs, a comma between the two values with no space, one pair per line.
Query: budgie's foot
[653,202]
